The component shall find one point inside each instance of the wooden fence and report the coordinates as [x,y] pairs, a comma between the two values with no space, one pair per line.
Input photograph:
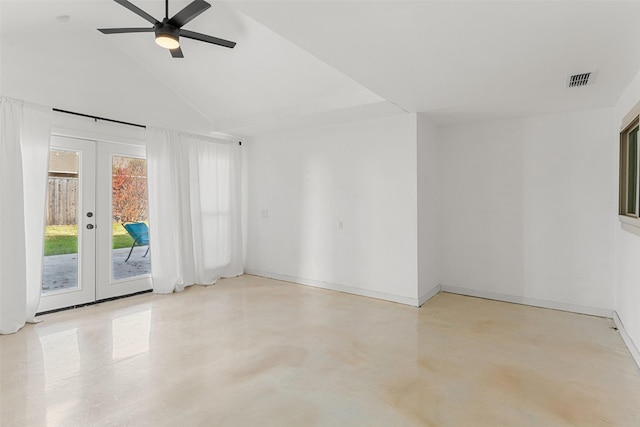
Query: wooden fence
[62,196]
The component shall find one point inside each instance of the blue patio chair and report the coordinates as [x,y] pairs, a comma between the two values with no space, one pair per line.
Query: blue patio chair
[139,232]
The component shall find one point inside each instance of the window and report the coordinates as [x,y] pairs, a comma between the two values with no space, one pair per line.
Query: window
[629,186]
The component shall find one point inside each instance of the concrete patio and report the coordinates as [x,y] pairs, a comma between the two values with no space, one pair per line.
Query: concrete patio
[60,271]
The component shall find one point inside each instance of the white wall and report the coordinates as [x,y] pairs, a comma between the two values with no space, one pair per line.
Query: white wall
[482,207]
[341,206]
[569,213]
[527,207]
[627,245]
[428,208]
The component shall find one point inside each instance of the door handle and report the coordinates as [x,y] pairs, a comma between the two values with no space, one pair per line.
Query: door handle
[90,226]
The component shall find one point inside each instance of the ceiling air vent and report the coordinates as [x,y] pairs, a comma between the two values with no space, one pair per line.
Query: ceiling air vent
[579,79]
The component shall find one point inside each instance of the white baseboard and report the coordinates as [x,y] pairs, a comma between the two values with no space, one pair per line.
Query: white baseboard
[627,339]
[335,287]
[580,309]
[432,293]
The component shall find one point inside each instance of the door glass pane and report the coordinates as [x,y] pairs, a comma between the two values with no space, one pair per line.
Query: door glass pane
[632,174]
[60,267]
[130,236]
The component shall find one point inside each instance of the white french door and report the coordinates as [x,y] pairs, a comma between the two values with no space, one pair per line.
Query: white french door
[122,177]
[89,196]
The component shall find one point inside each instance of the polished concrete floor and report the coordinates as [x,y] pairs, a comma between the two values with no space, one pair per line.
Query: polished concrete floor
[257,352]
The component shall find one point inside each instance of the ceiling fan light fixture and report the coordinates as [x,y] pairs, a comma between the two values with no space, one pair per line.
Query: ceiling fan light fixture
[167,36]
[167,41]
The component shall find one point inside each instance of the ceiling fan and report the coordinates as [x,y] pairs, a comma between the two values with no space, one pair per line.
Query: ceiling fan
[169,31]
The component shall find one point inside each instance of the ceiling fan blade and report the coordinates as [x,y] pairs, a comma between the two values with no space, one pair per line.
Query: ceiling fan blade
[205,38]
[177,52]
[125,30]
[190,11]
[135,9]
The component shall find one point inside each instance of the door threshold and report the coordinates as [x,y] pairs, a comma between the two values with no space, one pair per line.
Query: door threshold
[42,313]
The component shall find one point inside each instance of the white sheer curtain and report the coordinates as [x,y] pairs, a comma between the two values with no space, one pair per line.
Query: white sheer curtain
[194,209]
[25,130]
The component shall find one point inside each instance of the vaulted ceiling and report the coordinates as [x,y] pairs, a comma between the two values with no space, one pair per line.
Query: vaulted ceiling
[313,62]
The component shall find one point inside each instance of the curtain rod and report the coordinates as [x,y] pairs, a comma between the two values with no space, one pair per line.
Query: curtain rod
[99,118]
[105,119]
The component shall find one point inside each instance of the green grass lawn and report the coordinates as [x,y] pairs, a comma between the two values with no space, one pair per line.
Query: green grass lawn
[63,239]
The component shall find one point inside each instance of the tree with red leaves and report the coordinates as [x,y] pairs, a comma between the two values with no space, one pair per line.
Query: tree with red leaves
[129,180]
